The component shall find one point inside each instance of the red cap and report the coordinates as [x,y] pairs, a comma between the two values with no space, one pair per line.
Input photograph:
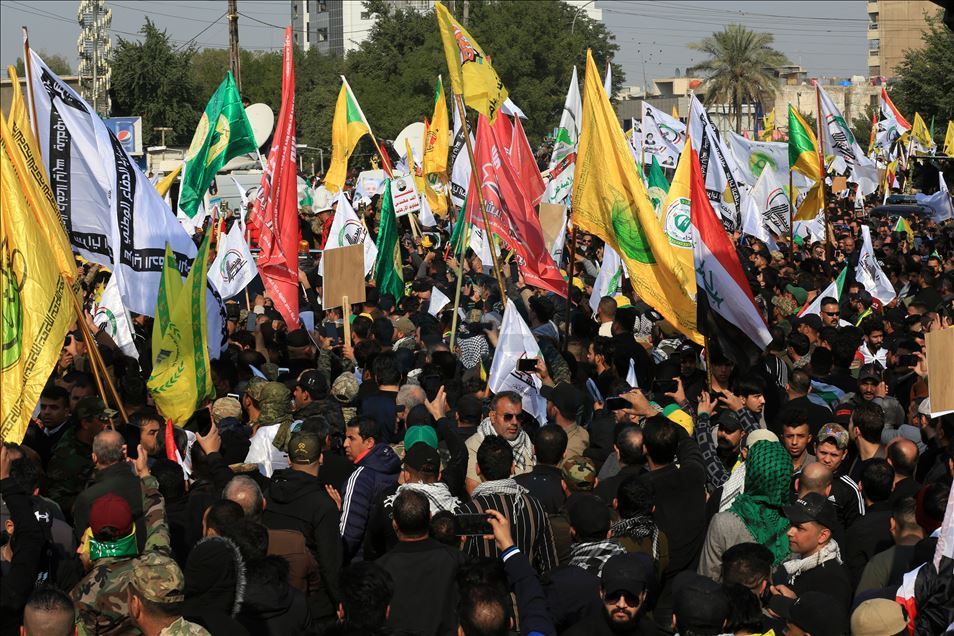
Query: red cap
[111,511]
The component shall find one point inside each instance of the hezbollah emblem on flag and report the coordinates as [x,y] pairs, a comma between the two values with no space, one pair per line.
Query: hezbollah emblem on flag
[11,330]
[217,144]
[759,161]
[630,235]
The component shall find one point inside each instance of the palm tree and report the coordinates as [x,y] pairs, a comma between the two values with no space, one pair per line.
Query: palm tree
[739,68]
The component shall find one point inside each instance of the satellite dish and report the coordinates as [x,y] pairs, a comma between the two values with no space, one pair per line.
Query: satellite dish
[262,119]
[414,134]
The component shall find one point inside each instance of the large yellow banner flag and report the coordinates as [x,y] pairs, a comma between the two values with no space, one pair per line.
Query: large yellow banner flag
[36,310]
[347,129]
[610,201]
[182,379]
[470,71]
[677,223]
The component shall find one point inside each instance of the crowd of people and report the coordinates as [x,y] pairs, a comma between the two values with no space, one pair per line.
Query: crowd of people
[378,487]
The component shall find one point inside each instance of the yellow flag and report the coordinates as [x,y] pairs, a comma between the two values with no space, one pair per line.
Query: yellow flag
[949,140]
[610,201]
[471,73]
[37,311]
[347,129]
[811,205]
[181,378]
[163,186]
[29,164]
[675,112]
[677,223]
[437,138]
[921,134]
[768,126]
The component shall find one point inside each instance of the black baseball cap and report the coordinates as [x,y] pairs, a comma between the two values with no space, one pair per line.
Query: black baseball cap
[565,397]
[813,612]
[699,603]
[870,371]
[297,338]
[812,507]
[313,381]
[589,515]
[423,458]
[630,573]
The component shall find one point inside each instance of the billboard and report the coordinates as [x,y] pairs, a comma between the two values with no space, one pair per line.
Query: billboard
[128,131]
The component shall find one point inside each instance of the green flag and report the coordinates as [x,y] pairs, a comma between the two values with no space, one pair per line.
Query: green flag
[181,378]
[658,186]
[457,235]
[215,143]
[387,268]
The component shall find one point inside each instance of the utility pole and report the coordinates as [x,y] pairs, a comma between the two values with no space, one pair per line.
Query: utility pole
[235,64]
[466,16]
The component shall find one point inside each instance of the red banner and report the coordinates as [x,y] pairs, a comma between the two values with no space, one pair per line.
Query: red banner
[524,165]
[509,213]
[276,207]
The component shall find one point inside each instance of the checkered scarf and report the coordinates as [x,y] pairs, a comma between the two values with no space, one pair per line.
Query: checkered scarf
[768,478]
[593,555]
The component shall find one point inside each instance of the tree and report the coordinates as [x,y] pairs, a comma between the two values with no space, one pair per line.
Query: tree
[925,82]
[55,61]
[739,68]
[861,126]
[154,81]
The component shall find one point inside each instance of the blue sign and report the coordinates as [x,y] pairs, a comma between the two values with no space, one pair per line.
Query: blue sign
[128,131]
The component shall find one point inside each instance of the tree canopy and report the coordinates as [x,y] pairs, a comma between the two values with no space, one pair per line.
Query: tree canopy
[57,63]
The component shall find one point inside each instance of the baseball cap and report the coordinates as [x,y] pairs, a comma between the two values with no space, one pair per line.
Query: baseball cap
[92,406]
[812,507]
[226,407]
[298,338]
[313,381]
[760,435]
[345,388]
[699,602]
[110,511]
[626,573]
[870,371]
[423,434]
[728,422]
[834,433]
[304,448]
[589,516]
[404,325]
[565,397]
[579,473]
[158,579]
[878,616]
[813,612]
[423,458]
[798,293]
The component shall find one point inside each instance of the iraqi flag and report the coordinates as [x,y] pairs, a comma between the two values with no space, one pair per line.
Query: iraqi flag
[727,312]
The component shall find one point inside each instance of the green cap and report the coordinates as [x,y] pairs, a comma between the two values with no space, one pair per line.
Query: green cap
[158,579]
[420,433]
[800,295]
[92,406]
[579,473]
[304,448]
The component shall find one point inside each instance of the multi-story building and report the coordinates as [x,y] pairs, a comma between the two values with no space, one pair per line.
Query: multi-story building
[894,26]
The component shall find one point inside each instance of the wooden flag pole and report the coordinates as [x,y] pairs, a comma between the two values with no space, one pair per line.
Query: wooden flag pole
[460,278]
[346,320]
[570,267]
[829,248]
[791,217]
[459,100]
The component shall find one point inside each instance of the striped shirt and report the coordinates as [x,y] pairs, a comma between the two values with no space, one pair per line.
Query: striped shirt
[529,525]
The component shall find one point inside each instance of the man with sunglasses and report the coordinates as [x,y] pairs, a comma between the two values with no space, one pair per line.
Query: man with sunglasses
[624,587]
[830,312]
[504,421]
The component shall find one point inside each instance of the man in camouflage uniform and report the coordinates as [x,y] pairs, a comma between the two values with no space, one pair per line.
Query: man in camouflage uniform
[156,592]
[71,464]
[269,408]
[101,597]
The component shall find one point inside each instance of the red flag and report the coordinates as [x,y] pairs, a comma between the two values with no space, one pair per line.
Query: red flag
[509,213]
[524,165]
[276,207]
[727,310]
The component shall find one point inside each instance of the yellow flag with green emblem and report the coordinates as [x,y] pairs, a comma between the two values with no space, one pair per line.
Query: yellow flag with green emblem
[37,311]
[181,378]
[347,129]
[677,223]
[611,202]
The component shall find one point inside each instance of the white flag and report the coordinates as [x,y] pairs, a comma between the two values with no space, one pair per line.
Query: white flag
[111,315]
[425,215]
[563,158]
[481,246]
[509,108]
[663,137]
[753,224]
[460,164]
[233,268]
[438,301]
[720,171]
[869,273]
[559,243]
[111,213]
[772,202]
[631,378]
[347,229]
[840,141]
[755,157]
[609,281]
[516,341]
[608,81]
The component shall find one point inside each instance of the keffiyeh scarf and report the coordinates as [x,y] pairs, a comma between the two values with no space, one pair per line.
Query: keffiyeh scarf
[593,555]
[828,552]
[522,448]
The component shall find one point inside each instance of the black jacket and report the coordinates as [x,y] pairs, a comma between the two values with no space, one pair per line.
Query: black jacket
[868,536]
[298,501]
[20,579]
[545,484]
[829,578]
[271,607]
[607,489]
[118,479]
[424,575]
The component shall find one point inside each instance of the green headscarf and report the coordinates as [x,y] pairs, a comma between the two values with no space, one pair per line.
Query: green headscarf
[768,480]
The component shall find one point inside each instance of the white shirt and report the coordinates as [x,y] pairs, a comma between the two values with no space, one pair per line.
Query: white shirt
[881,355]
[261,451]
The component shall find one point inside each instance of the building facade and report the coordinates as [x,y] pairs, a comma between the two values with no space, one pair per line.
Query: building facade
[894,26]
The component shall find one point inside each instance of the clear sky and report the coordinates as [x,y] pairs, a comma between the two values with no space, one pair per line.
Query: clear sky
[828,38]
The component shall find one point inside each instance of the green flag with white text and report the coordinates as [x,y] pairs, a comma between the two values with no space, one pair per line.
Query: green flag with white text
[223,132]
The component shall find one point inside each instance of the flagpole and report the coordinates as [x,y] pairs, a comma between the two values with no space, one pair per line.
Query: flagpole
[569,280]
[28,66]
[459,100]
[821,162]
[791,216]
[460,277]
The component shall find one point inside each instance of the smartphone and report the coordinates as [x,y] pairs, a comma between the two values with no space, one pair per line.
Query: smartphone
[909,360]
[661,387]
[472,525]
[616,404]
[527,364]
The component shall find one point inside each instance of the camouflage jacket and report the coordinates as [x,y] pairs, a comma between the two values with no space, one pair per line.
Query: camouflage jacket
[69,470]
[182,627]
[100,597]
